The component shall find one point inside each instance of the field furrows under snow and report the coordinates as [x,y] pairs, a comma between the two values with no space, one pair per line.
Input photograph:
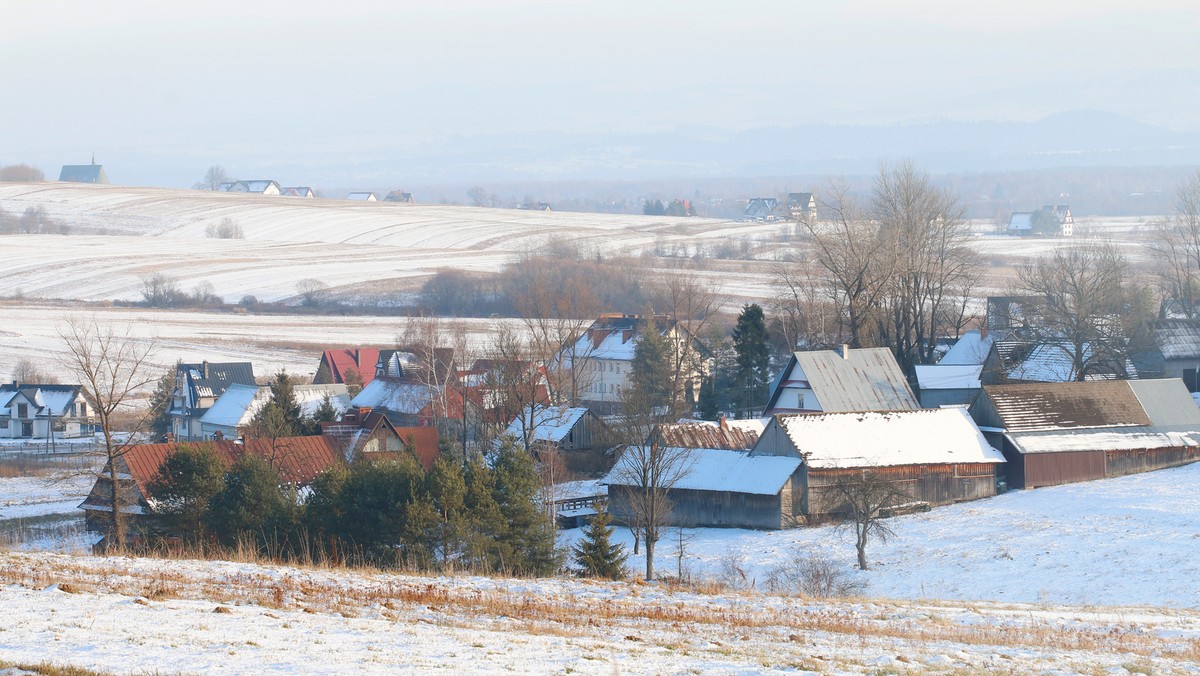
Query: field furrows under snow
[271,342]
[127,614]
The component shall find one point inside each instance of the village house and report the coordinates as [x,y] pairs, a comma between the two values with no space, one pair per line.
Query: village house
[365,435]
[347,366]
[1054,219]
[411,403]
[298,191]
[260,187]
[1056,433]
[43,411]
[761,209]
[1176,351]
[197,388]
[83,173]
[801,206]
[562,428]
[362,197]
[827,381]
[601,360]
[234,411]
[297,459]
[399,196]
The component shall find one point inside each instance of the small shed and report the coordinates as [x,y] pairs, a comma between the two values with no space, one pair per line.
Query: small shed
[1056,433]
[563,427]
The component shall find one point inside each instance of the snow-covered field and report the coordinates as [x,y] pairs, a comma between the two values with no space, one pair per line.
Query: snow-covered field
[1131,540]
[138,615]
[271,342]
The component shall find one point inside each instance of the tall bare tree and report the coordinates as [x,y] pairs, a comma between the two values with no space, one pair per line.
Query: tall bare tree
[933,267]
[689,303]
[801,311]
[857,260]
[213,178]
[1090,308]
[1175,243]
[112,366]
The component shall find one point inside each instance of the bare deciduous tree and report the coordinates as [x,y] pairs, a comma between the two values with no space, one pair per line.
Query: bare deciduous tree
[646,471]
[25,371]
[865,499]
[213,178]
[111,366]
[313,292]
[1089,310]
[1176,246]
[160,290]
[689,302]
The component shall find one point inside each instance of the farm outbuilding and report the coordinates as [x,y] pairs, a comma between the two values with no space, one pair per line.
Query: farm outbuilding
[937,456]
[1056,433]
[825,381]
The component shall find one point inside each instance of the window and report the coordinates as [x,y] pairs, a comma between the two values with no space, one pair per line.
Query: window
[22,410]
[83,409]
[59,426]
[3,423]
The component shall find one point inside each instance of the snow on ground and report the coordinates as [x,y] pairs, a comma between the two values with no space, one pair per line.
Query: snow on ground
[56,493]
[271,342]
[125,614]
[1130,540]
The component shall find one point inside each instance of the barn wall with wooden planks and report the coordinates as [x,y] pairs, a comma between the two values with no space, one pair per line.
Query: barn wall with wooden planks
[1119,463]
[930,484]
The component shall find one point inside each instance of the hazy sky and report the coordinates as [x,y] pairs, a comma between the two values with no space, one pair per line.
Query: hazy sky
[276,79]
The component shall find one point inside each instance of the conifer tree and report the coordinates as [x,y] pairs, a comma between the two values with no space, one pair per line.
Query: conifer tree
[596,555]
[650,370]
[753,361]
[186,482]
[526,540]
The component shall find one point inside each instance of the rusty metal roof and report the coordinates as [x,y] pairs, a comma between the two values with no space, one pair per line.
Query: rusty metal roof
[1032,407]
[867,379]
[706,435]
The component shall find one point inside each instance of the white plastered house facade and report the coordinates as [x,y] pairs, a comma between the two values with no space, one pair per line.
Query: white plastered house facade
[43,412]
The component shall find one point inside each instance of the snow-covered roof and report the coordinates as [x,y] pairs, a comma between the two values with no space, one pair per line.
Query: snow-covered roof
[883,438]
[1021,220]
[240,403]
[1165,401]
[1106,439]
[948,376]
[1053,362]
[54,400]
[867,379]
[362,197]
[708,469]
[1178,338]
[549,423]
[972,348]
[398,396]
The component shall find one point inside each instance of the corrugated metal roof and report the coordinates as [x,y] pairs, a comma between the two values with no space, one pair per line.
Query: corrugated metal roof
[1178,338]
[706,435]
[972,348]
[870,380]
[1049,406]
[1166,402]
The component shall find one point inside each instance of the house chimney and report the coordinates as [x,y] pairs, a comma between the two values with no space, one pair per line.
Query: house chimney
[983,332]
[204,369]
[845,351]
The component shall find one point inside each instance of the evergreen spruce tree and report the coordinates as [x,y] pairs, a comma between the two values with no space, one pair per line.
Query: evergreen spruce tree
[650,370]
[252,503]
[596,555]
[185,484]
[160,404]
[753,361]
[526,540]
[709,404]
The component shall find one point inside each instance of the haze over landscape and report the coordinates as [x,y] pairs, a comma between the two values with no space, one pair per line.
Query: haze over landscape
[556,336]
[379,94]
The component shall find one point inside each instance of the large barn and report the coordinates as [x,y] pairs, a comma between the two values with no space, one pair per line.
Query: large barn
[1057,433]
[937,456]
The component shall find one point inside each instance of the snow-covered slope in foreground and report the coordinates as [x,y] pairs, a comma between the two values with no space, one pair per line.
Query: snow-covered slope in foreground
[1122,541]
[146,615]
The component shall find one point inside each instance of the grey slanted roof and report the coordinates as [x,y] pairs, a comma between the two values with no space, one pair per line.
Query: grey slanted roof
[1167,402]
[212,379]
[1034,407]
[83,173]
[870,380]
[1178,338]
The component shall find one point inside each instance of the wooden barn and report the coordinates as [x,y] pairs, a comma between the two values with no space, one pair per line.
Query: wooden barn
[562,427]
[713,480]
[937,456]
[1057,433]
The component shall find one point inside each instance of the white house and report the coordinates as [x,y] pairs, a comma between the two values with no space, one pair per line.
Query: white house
[261,187]
[197,388]
[602,358]
[362,197]
[825,381]
[29,411]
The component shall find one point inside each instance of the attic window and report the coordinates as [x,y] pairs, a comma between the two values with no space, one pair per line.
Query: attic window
[22,410]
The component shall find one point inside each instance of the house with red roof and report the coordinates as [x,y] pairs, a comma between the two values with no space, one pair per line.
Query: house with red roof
[337,365]
[297,459]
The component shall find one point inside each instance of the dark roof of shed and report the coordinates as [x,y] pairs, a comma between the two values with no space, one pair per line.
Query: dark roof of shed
[1048,406]
[706,435]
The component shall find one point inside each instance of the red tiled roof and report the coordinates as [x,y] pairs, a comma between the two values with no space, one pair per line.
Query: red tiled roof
[341,361]
[422,441]
[298,459]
